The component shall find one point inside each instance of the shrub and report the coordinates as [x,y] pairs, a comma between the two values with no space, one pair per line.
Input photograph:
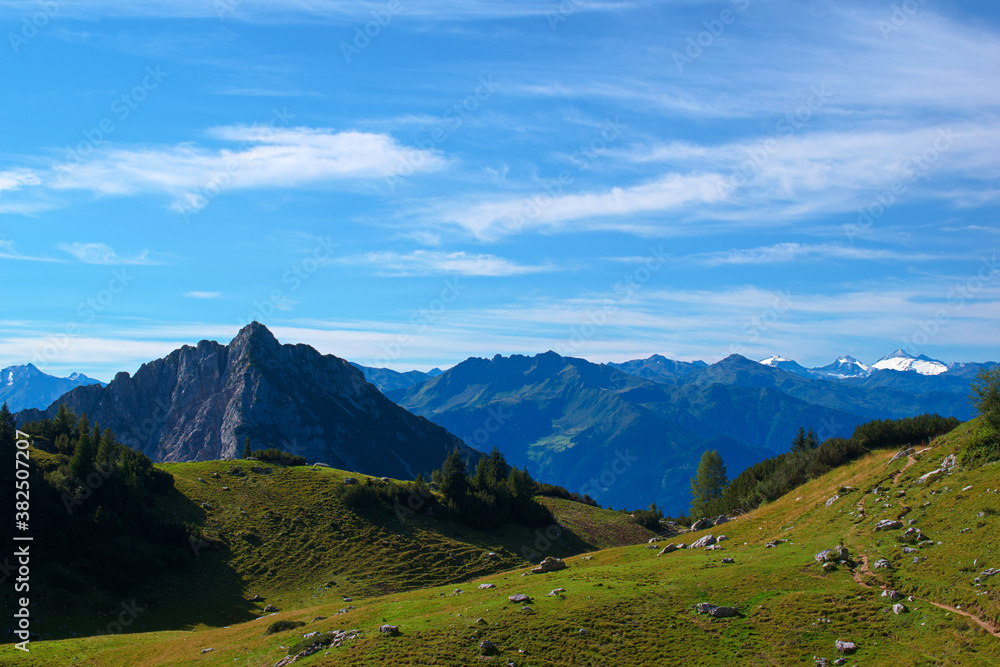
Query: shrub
[282,626]
[275,455]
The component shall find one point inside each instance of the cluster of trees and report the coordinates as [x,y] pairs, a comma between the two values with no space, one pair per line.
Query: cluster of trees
[271,455]
[91,500]
[555,491]
[713,494]
[984,445]
[494,494]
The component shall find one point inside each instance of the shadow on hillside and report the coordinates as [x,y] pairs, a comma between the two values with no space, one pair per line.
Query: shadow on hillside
[176,588]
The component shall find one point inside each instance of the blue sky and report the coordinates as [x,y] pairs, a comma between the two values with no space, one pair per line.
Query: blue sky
[408,184]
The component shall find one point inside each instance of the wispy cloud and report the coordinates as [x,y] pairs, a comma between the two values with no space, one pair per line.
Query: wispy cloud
[8,251]
[203,295]
[794,252]
[494,219]
[427,262]
[265,158]
[101,253]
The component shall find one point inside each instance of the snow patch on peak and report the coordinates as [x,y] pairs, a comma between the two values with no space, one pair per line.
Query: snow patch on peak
[901,361]
[773,360]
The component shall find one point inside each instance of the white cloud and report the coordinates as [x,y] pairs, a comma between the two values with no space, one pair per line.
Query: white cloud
[265,158]
[428,262]
[793,252]
[14,179]
[8,251]
[203,295]
[101,253]
[548,212]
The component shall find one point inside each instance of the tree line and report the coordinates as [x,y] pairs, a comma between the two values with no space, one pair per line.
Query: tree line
[713,494]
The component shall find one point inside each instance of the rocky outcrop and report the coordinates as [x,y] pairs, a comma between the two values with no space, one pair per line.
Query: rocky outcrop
[716,611]
[706,541]
[888,524]
[199,403]
[550,564]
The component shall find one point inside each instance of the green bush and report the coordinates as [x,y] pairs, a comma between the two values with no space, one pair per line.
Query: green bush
[275,455]
[283,626]
[981,448]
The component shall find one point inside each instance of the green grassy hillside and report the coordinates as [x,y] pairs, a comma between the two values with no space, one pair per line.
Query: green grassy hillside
[284,533]
[628,606]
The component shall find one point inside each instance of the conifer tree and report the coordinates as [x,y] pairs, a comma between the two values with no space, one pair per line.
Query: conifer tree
[708,483]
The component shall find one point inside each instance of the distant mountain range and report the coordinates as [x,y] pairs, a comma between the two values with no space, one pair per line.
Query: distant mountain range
[847,367]
[27,387]
[570,421]
[624,433]
[199,403]
[387,379]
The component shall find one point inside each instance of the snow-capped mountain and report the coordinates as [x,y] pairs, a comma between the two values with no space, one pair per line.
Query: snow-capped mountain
[844,367]
[776,361]
[27,387]
[902,361]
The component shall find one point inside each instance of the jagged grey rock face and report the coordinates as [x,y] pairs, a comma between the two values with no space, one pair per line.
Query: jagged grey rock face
[199,403]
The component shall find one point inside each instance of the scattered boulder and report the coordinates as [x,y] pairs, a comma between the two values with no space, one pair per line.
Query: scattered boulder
[682,546]
[486,647]
[844,646]
[206,506]
[518,598]
[653,541]
[715,610]
[721,519]
[881,563]
[829,566]
[700,524]
[257,598]
[703,542]
[487,585]
[832,500]
[667,549]
[913,534]
[892,595]
[270,609]
[888,524]
[929,477]
[899,608]
[350,480]
[555,591]
[949,462]
[550,564]
[728,560]
[902,454]
[773,543]
[481,621]
[721,538]
[389,630]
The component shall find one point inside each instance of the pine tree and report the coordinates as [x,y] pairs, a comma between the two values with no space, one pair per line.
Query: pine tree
[799,443]
[247,450]
[454,477]
[708,483]
[63,420]
[83,456]
[812,440]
